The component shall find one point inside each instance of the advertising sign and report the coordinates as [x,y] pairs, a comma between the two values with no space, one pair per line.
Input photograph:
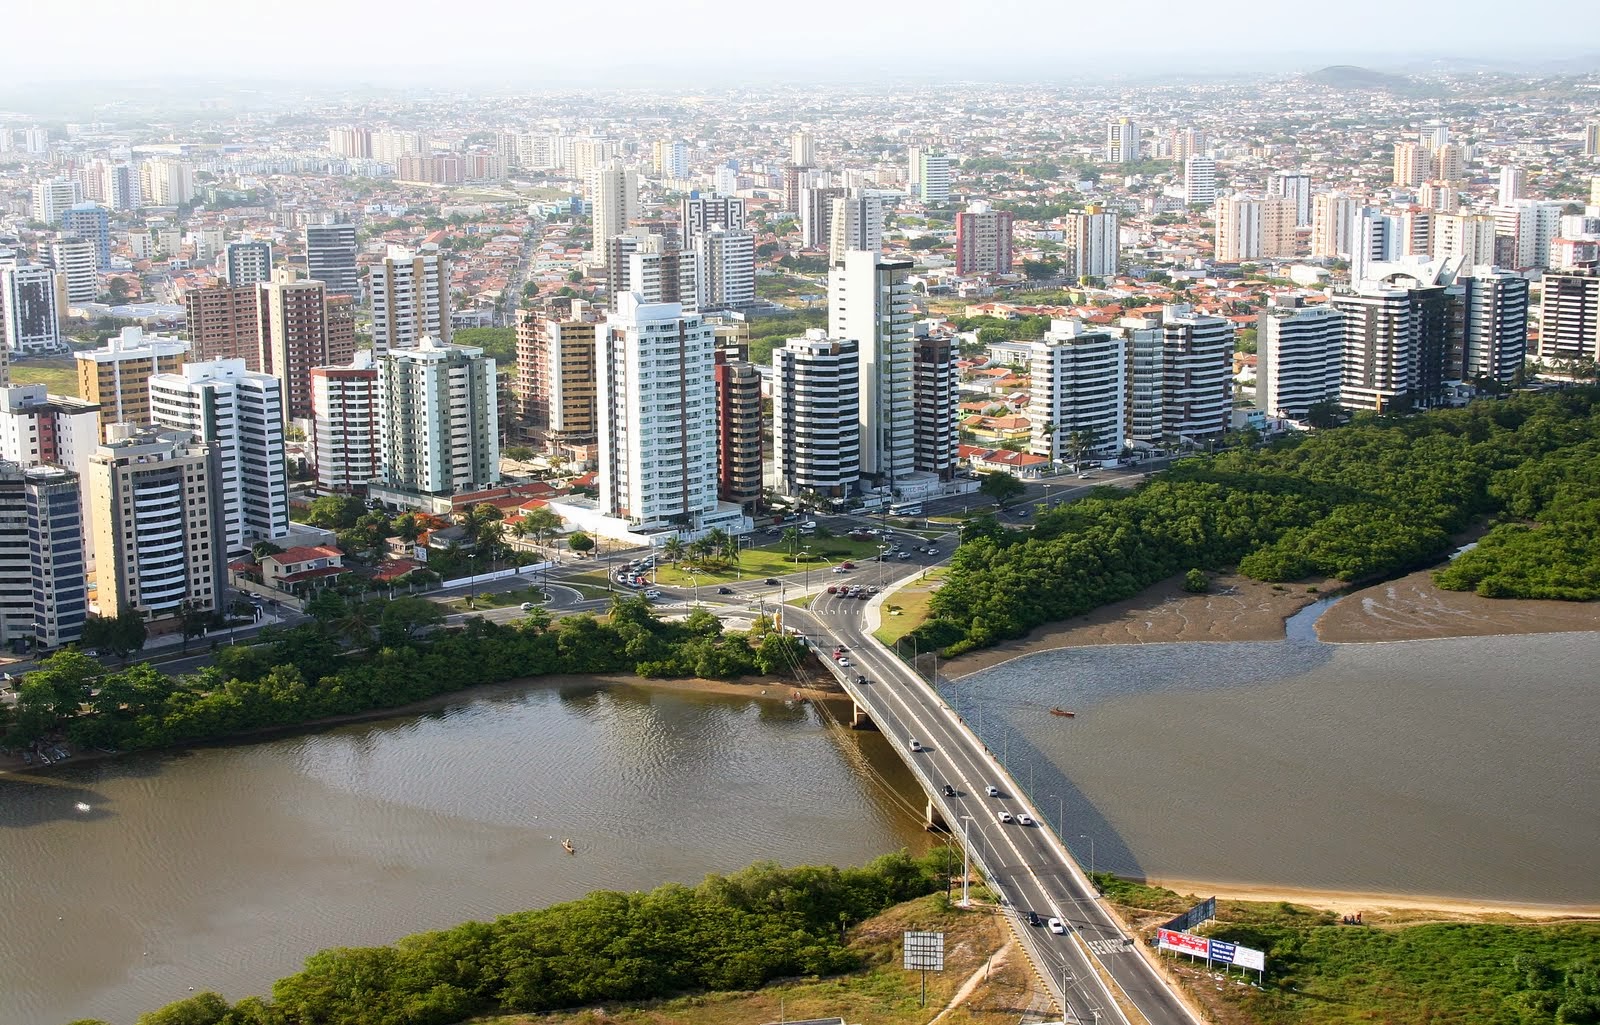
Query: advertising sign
[1183,943]
[1222,951]
[1244,957]
[1204,911]
[924,951]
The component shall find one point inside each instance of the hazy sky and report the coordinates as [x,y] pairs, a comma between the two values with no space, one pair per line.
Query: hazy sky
[537,40]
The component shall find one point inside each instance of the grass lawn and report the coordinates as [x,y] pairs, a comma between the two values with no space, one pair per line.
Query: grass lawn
[912,603]
[772,560]
[498,600]
[881,992]
[59,376]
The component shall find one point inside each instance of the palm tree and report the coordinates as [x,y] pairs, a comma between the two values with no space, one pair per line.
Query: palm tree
[730,547]
[357,622]
[1079,442]
[791,537]
[673,549]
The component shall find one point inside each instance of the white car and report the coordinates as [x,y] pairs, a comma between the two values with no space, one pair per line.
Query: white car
[1057,926]
[528,606]
[1024,819]
[992,791]
[845,663]
[652,593]
[1004,816]
[916,745]
[840,569]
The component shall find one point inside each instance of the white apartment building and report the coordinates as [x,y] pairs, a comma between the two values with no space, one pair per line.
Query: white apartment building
[1333,225]
[30,319]
[658,415]
[43,576]
[700,214]
[1079,381]
[438,419]
[816,216]
[53,197]
[1413,164]
[1294,186]
[1122,141]
[1569,317]
[1196,373]
[1527,228]
[1253,228]
[1513,182]
[1092,243]
[856,224]
[240,414]
[51,430]
[816,428]
[1299,353]
[802,149]
[157,522]
[1465,237]
[166,182]
[725,262]
[929,175]
[74,260]
[1494,324]
[410,298]
[869,302]
[613,198]
[347,446]
[1200,180]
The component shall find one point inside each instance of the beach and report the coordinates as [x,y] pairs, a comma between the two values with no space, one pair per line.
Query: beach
[1412,607]
[1377,907]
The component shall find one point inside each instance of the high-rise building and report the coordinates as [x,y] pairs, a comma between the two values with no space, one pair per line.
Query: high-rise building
[1092,244]
[1439,196]
[1525,229]
[410,298]
[614,201]
[39,428]
[1449,163]
[1513,182]
[555,385]
[738,429]
[1196,373]
[389,146]
[657,411]
[983,241]
[1200,180]
[1186,143]
[117,377]
[1299,354]
[665,274]
[1569,317]
[346,446]
[1591,138]
[1494,325]
[89,221]
[248,263]
[331,257]
[1122,141]
[157,522]
[869,302]
[351,142]
[1397,342]
[43,574]
[796,180]
[30,317]
[53,197]
[1294,186]
[802,149]
[726,265]
[73,260]
[1376,238]
[930,175]
[120,187]
[1253,228]
[1078,382]
[700,214]
[857,224]
[439,427]
[1333,225]
[240,414]
[296,336]
[816,426]
[1413,164]
[225,323]
[671,159]
[1466,237]
[816,215]
[935,405]
[166,182]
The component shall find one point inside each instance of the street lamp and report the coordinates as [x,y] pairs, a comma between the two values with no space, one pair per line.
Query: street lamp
[806,549]
[1061,822]
[966,859]
[1086,836]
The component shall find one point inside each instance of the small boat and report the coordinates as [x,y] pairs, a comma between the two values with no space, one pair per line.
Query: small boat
[82,806]
[567,846]
[1063,713]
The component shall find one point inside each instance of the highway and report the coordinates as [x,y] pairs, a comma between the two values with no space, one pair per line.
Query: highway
[1026,864]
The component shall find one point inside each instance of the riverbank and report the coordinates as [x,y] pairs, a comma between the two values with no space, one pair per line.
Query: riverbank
[1235,609]
[759,688]
[1376,907]
[1413,607]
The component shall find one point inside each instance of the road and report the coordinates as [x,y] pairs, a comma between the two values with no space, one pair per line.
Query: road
[1028,865]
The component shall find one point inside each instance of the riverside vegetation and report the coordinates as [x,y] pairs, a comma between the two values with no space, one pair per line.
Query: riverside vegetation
[731,932]
[305,673]
[1383,495]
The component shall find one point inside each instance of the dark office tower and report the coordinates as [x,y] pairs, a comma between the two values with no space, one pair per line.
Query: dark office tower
[331,257]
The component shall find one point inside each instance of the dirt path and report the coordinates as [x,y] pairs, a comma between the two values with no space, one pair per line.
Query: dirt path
[996,961]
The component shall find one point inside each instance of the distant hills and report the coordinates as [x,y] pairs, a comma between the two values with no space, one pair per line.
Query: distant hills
[1348,76]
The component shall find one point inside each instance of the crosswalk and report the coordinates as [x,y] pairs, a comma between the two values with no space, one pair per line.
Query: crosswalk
[1105,948]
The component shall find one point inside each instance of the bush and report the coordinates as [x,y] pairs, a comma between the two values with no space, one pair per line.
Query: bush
[1196,582]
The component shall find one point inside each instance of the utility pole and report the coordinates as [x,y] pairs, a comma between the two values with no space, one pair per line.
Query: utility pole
[966,859]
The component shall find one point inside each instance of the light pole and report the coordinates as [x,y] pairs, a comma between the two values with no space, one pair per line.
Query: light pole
[1086,836]
[966,859]
[1061,822]
[806,551]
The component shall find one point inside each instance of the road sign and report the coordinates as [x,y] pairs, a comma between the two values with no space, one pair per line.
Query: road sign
[924,951]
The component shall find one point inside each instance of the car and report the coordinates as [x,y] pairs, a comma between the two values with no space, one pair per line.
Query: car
[863,595]
[992,791]
[1025,819]
[862,681]
[933,551]
[1058,927]
[809,525]
[772,581]
[905,555]
[1004,816]
[771,532]
[949,791]
[872,590]
[916,745]
[652,593]
[1085,476]
[845,663]
[833,588]
[724,590]
[847,564]
[1034,919]
[839,569]
[528,606]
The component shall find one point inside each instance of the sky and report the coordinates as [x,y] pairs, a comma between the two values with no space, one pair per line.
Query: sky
[537,41]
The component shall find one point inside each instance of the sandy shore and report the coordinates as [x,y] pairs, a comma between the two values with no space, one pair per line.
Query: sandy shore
[1378,905]
[759,688]
[1236,609]
[1411,607]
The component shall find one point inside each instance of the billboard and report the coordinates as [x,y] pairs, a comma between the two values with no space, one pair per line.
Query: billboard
[1220,951]
[1204,911]
[924,951]
[1244,957]
[1183,943]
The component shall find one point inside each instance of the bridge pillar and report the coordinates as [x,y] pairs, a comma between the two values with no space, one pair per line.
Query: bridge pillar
[860,718]
[933,820]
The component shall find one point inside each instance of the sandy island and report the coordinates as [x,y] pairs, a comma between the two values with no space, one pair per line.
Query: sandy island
[819,688]
[1380,905]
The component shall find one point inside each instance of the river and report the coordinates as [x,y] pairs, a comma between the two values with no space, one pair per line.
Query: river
[1462,767]
[223,868]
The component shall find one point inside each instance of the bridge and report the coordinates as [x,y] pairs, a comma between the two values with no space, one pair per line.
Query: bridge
[1028,867]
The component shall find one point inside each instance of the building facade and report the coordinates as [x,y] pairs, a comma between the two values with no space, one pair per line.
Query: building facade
[1077,392]
[1299,354]
[117,377]
[43,574]
[869,302]
[983,241]
[225,323]
[738,429]
[816,424]
[410,298]
[935,404]
[439,427]
[248,263]
[556,388]
[30,314]
[331,257]
[347,447]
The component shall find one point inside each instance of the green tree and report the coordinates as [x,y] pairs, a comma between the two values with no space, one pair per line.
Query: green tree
[326,608]
[1196,582]
[404,618]
[335,512]
[1002,487]
[200,1009]
[580,542]
[194,620]
[117,637]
